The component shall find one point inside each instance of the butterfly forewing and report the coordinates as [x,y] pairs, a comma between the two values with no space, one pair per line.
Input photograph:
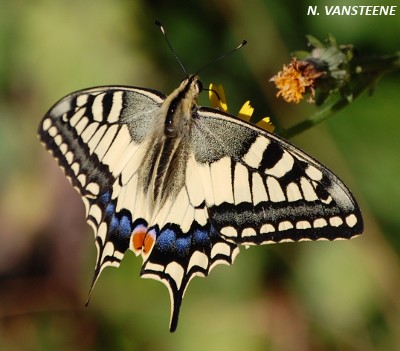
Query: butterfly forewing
[273,191]
[183,186]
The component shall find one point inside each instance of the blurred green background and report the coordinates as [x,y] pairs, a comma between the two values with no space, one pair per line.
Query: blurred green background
[305,296]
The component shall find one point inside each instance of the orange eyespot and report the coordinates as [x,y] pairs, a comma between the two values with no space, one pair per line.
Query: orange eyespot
[138,239]
[149,241]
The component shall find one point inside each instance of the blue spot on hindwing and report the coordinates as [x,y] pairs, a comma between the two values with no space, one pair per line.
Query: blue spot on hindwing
[119,224]
[125,226]
[105,198]
[183,245]
[114,223]
[110,208]
[166,240]
[201,237]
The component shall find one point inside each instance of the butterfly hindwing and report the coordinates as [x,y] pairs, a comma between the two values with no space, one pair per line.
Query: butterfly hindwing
[177,257]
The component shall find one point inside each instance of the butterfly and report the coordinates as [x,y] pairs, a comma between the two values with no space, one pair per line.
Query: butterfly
[184,186]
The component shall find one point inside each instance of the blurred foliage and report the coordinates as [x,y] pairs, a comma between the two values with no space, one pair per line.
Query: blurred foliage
[306,296]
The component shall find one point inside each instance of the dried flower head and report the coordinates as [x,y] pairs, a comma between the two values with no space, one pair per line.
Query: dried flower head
[297,79]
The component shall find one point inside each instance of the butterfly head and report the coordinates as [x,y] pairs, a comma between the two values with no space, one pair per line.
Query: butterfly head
[180,106]
[192,85]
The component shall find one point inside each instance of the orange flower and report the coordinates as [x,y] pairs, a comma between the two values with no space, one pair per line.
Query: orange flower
[295,80]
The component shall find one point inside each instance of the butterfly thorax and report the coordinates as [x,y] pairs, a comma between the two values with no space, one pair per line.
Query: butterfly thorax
[179,106]
[163,174]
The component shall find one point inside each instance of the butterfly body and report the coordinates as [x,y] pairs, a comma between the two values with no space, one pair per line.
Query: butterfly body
[183,186]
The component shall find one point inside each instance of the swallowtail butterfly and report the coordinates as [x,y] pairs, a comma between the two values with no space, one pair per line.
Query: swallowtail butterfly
[184,186]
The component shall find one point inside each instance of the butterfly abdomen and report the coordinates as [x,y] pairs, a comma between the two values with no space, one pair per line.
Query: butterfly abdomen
[164,168]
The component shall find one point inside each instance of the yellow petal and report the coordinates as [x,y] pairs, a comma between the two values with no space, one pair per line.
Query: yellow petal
[266,124]
[246,111]
[216,95]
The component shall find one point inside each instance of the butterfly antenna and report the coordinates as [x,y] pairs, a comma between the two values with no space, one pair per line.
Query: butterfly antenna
[170,46]
[243,43]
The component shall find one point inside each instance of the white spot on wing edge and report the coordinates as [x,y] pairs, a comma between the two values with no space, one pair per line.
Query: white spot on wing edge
[267,228]
[320,223]
[198,259]
[58,139]
[220,249]
[231,256]
[154,267]
[82,179]
[108,250]
[64,149]
[229,231]
[303,225]
[248,232]
[69,157]
[335,221]
[287,240]
[118,255]
[351,220]
[93,188]
[53,131]
[87,205]
[46,124]
[285,225]
[102,232]
[176,272]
